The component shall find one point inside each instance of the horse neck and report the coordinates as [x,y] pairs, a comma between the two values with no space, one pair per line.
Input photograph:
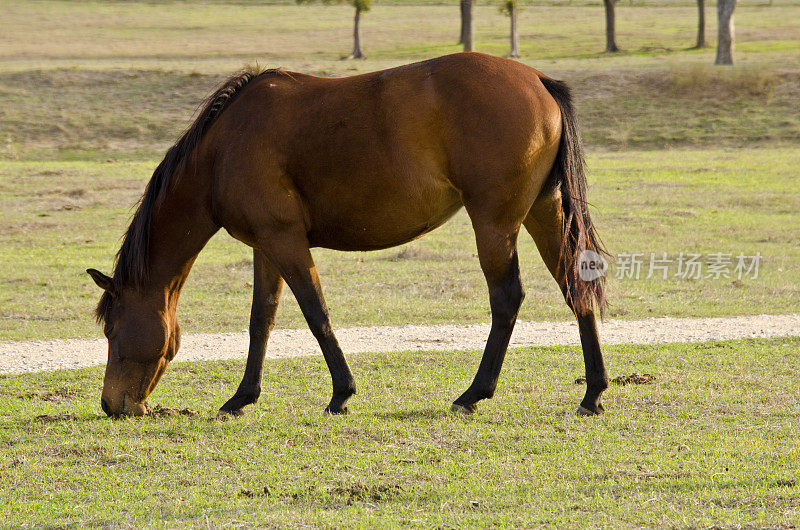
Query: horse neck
[179,229]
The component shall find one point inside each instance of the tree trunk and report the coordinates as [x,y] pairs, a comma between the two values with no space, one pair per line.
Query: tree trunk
[463,6]
[725,36]
[701,24]
[357,53]
[466,25]
[611,32]
[512,13]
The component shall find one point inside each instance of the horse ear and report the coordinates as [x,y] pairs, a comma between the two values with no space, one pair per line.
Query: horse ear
[103,281]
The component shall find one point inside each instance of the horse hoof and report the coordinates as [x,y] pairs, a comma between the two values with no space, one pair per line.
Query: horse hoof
[336,412]
[582,411]
[225,414]
[455,408]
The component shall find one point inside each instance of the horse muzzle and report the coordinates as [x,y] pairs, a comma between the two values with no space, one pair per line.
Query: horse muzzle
[125,407]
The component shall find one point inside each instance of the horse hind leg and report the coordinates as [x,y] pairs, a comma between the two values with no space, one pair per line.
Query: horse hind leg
[497,251]
[546,224]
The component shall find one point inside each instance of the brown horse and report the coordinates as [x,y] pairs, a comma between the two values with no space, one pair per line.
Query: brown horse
[286,161]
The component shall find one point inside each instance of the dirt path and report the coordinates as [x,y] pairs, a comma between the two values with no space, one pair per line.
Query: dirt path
[33,356]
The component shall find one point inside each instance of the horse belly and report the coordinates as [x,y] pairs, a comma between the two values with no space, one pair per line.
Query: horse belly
[376,224]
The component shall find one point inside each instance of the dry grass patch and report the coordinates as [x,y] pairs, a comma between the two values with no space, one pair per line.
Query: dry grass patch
[703,82]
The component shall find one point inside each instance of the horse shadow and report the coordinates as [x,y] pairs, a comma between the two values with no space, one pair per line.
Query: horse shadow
[423,414]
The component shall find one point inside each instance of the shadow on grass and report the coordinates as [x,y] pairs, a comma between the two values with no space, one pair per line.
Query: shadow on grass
[425,414]
[64,417]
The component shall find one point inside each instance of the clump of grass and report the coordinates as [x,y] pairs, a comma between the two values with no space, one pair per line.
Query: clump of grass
[10,151]
[414,252]
[620,132]
[706,81]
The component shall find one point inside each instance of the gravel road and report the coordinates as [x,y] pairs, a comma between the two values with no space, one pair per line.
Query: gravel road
[42,355]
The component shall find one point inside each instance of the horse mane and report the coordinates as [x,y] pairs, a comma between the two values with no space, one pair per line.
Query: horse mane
[130,264]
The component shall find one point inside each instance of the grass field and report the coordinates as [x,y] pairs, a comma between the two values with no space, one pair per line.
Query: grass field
[69,114]
[133,74]
[218,36]
[712,442]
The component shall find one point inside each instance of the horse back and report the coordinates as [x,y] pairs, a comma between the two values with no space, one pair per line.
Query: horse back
[378,159]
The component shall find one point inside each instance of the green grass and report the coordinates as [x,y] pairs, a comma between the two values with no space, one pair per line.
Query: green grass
[711,443]
[62,217]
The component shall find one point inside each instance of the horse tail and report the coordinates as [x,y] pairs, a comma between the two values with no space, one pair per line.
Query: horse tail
[569,175]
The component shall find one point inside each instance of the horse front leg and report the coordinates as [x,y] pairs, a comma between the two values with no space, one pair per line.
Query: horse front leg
[289,251]
[267,285]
